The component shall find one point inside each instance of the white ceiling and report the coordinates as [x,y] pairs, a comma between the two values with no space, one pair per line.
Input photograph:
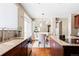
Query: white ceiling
[50,10]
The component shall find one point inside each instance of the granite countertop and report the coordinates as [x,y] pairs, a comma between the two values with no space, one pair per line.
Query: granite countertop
[74,37]
[63,43]
[6,46]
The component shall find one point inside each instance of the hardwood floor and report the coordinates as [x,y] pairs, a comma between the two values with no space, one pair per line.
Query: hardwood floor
[41,52]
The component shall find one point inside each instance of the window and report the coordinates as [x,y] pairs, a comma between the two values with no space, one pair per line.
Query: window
[27,27]
[8,16]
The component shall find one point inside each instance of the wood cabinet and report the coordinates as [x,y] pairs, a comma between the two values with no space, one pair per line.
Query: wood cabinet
[19,50]
[76,21]
[59,50]
[75,41]
[24,47]
[71,50]
[13,52]
[29,51]
[56,49]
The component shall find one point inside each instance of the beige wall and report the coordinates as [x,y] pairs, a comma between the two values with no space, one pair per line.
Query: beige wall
[52,22]
[21,12]
[44,24]
[64,26]
[21,20]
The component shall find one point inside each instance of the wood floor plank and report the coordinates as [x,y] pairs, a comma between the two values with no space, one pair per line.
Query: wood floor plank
[41,52]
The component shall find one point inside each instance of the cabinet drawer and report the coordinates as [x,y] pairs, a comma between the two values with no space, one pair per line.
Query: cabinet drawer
[75,41]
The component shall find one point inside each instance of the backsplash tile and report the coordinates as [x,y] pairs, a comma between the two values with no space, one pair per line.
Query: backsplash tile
[7,34]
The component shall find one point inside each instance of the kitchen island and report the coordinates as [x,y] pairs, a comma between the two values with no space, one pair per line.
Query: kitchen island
[62,48]
[55,47]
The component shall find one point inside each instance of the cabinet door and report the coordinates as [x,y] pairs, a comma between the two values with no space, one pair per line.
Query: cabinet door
[52,44]
[18,50]
[76,21]
[29,51]
[13,52]
[56,49]
[24,49]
